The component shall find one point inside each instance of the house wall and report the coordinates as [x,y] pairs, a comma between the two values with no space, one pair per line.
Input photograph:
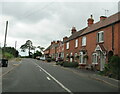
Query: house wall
[91,43]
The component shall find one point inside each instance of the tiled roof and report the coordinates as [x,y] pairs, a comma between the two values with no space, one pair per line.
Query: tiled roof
[47,48]
[75,35]
[112,19]
[53,45]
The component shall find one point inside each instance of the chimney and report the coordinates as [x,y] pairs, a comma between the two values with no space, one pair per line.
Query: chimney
[65,38]
[58,41]
[102,18]
[52,42]
[73,30]
[90,21]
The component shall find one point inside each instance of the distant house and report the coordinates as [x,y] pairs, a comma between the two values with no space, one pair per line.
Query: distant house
[93,45]
[55,50]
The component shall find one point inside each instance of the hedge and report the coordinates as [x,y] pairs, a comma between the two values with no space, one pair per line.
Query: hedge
[70,64]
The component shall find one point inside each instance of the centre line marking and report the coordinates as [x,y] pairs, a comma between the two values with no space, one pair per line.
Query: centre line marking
[48,78]
[65,88]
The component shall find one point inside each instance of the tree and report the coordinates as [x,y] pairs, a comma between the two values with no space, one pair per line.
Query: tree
[41,48]
[28,45]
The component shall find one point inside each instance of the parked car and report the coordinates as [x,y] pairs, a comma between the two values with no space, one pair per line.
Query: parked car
[38,57]
[42,58]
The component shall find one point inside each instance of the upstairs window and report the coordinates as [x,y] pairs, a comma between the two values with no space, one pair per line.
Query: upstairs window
[83,41]
[100,36]
[76,43]
[67,45]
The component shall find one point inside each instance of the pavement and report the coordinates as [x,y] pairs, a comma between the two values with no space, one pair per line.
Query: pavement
[11,65]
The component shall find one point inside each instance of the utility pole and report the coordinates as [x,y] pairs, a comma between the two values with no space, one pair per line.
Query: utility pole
[15,44]
[15,48]
[3,55]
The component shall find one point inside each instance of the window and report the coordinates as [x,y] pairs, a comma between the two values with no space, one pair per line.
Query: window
[67,45]
[94,58]
[76,43]
[84,41]
[100,36]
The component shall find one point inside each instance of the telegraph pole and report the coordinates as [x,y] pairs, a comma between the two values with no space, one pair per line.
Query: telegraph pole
[3,56]
[15,44]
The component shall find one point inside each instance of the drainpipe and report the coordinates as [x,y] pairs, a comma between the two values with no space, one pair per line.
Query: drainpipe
[112,37]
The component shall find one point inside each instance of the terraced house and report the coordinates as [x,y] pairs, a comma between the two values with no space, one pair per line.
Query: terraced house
[55,50]
[93,45]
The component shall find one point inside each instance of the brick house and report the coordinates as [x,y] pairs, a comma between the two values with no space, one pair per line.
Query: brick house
[56,49]
[60,49]
[93,45]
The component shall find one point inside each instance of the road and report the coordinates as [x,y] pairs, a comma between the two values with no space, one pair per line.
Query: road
[37,76]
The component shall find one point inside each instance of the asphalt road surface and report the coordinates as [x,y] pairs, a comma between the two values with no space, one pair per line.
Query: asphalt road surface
[37,76]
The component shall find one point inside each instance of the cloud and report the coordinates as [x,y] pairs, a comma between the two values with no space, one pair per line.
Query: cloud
[43,22]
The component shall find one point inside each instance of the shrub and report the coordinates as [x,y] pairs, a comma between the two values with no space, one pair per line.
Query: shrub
[48,59]
[112,69]
[70,64]
[8,56]
[59,63]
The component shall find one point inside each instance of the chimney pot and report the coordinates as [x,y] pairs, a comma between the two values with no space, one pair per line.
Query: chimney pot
[73,30]
[102,18]
[90,21]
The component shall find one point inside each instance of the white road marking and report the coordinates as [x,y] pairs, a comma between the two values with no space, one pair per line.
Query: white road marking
[48,78]
[65,88]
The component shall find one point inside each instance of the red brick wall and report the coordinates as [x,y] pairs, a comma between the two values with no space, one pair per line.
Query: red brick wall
[92,42]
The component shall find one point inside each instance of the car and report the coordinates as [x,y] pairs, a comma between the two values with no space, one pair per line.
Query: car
[38,57]
[42,58]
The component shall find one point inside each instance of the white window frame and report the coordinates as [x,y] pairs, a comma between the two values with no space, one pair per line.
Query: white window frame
[96,59]
[84,41]
[76,43]
[100,36]
[67,45]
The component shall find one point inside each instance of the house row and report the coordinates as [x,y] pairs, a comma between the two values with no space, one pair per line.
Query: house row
[91,46]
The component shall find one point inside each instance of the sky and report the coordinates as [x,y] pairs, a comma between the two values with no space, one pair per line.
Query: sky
[43,21]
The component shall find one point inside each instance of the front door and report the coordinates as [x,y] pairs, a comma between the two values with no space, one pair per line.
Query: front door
[102,61]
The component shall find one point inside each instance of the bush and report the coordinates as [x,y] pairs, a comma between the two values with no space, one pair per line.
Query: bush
[8,56]
[70,64]
[59,63]
[112,69]
[48,59]
[114,66]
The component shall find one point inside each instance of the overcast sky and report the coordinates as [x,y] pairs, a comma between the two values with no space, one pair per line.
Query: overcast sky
[43,22]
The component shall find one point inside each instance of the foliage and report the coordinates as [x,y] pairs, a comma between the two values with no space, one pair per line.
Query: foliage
[8,56]
[70,64]
[59,63]
[86,56]
[11,50]
[28,45]
[68,56]
[37,53]
[112,69]
[48,59]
